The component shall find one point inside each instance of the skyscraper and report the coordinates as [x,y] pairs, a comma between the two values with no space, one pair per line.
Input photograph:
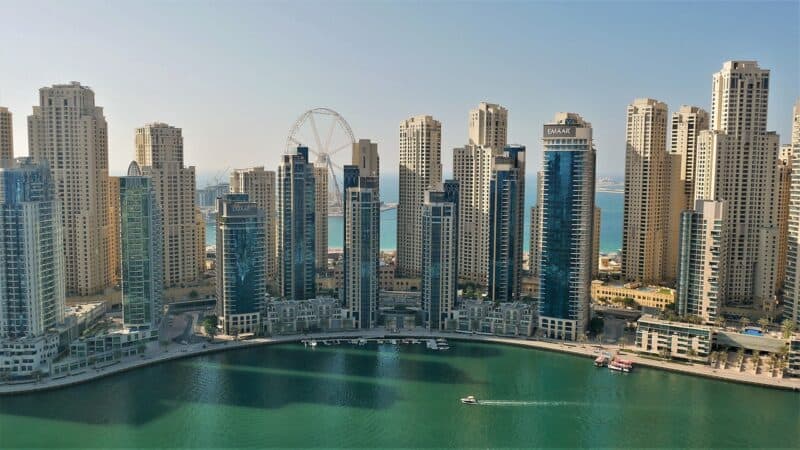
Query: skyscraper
[241,282]
[535,251]
[645,232]
[31,248]
[736,162]
[159,154]
[791,286]
[783,196]
[114,257]
[596,242]
[6,138]
[296,226]
[362,209]
[69,133]
[687,123]
[32,294]
[506,213]
[259,185]
[567,234]
[440,237]
[420,168]
[472,168]
[140,251]
[321,215]
[701,270]
[488,126]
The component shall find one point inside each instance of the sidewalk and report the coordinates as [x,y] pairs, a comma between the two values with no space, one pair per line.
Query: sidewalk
[221,344]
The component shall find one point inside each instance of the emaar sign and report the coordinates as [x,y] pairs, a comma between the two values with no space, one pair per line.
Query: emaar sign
[551,131]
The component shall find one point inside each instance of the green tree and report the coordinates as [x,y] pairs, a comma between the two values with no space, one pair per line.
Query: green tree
[719,321]
[193,294]
[210,324]
[665,353]
[596,325]
[763,323]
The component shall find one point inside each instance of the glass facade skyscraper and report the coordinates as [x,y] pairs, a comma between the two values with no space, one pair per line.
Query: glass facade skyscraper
[506,213]
[567,221]
[440,254]
[241,272]
[296,227]
[32,280]
[140,251]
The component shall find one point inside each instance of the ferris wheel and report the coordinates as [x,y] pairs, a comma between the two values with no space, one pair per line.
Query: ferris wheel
[326,134]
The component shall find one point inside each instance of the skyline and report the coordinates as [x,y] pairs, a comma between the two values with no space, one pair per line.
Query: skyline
[242,90]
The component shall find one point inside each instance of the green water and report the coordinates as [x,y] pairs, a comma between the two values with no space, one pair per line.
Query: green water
[404,396]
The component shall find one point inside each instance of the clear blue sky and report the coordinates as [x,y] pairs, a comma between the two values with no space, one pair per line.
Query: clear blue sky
[235,75]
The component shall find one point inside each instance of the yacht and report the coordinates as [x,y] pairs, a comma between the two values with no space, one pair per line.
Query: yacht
[313,343]
[469,400]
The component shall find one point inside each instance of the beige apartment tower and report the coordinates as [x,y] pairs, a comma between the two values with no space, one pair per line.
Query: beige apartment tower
[791,286]
[259,184]
[488,126]
[472,168]
[159,153]
[6,139]
[687,123]
[646,223]
[69,133]
[737,163]
[784,174]
[420,170]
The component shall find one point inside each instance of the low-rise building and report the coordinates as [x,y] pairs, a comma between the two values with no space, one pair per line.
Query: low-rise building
[510,318]
[650,296]
[23,358]
[295,316]
[793,368]
[677,339]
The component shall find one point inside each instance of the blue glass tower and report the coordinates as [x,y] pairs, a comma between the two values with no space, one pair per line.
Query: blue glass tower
[440,254]
[241,273]
[140,251]
[567,221]
[506,213]
[297,227]
[32,279]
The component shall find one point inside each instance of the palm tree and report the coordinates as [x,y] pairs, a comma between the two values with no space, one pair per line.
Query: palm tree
[788,327]
[744,321]
[756,359]
[740,358]
[719,321]
[763,323]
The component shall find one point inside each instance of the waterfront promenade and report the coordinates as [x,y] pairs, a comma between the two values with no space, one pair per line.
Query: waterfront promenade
[587,350]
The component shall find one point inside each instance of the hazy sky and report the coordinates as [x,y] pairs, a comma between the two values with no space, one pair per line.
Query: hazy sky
[236,75]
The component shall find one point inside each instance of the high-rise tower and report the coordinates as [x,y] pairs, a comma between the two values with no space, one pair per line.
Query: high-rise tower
[69,133]
[159,154]
[362,209]
[296,226]
[440,237]
[645,233]
[736,163]
[567,226]
[259,185]
[420,168]
[140,251]
[6,138]
[506,213]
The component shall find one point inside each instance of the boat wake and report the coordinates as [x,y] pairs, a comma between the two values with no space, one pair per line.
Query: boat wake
[528,403]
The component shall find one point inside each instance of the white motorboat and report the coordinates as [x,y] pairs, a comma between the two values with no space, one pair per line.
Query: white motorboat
[469,400]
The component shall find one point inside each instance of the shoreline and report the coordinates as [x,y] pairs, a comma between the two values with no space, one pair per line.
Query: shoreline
[575,349]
